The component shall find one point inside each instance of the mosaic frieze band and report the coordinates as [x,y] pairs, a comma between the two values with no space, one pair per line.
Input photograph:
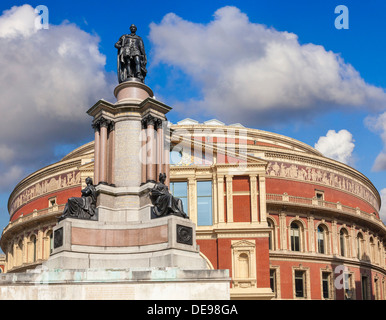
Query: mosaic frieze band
[46,186]
[320,176]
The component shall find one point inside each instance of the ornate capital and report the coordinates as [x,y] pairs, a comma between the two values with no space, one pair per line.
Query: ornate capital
[150,120]
[103,122]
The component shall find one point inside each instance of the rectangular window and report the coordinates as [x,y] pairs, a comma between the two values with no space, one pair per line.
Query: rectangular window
[320,241]
[319,195]
[348,286]
[295,238]
[342,243]
[272,279]
[364,288]
[326,284]
[51,202]
[204,203]
[299,284]
[180,190]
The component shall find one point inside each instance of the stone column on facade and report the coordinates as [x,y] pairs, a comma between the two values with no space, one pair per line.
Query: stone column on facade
[39,245]
[283,230]
[192,196]
[229,195]
[24,250]
[103,151]
[262,198]
[254,195]
[353,242]
[215,199]
[334,237]
[367,245]
[220,198]
[96,152]
[311,232]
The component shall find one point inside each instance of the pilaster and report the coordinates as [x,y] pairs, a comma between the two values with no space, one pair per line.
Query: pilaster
[229,195]
[220,198]
[254,195]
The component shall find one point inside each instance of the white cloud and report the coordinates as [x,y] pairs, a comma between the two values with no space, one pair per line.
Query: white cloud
[17,21]
[49,79]
[378,124]
[382,212]
[250,73]
[337,145]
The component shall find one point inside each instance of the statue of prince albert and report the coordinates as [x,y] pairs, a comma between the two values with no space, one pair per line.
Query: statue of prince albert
[131,57]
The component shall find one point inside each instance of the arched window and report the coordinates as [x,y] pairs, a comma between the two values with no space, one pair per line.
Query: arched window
[295,237]
[321,239]
[343,236]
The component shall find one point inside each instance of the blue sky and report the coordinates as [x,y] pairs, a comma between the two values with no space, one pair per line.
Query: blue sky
[48,121]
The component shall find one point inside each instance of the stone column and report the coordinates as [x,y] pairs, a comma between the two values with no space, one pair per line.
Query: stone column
[166,159]
[111,142]
[254,195]
[24,251]
[192,199]
[215,199]
[229,198]
[143,151]
[160,147]
[39,245]
[283,230]
[220,197]
[353,242]
[262,198]
[311,233]
[335,237]
[96,153]
[103,151]
[151,151]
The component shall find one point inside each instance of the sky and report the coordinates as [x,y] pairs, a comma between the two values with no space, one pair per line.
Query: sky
[282,66]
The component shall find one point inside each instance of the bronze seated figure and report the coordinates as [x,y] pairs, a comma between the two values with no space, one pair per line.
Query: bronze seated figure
[164,202]
[83,207]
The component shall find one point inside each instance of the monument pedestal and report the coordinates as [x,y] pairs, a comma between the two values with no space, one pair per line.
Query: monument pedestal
[125,251]
[162,242]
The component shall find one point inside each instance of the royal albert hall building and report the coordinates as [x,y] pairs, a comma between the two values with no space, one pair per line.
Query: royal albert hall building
[286,221]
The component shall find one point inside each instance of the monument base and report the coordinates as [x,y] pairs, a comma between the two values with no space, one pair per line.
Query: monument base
[162,242]
[116,284]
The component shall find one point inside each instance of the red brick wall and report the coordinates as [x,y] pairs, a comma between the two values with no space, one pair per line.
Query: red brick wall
[42,202]
[219,253]
[262,262]
[307,190]
[241,203]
